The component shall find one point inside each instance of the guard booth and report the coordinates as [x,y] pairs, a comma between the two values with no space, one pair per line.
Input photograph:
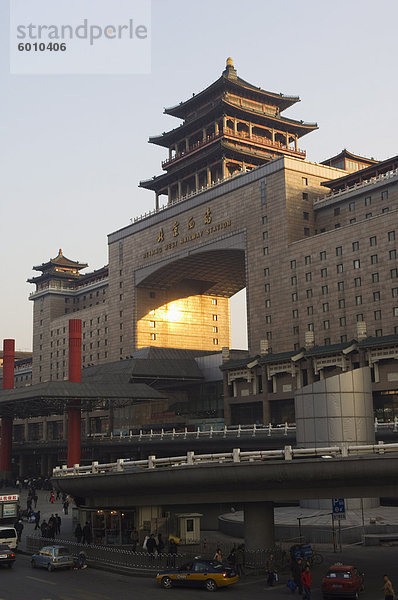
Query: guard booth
[9,508]
[189,527]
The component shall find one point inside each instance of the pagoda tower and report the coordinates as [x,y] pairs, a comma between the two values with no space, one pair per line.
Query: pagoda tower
[230,127]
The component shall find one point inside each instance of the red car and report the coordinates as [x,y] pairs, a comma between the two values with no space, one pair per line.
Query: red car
[342,581]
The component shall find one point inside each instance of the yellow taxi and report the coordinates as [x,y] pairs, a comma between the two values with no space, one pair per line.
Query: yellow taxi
[209,574]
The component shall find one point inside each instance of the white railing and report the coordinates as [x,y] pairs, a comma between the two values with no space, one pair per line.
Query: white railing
[236,456]
[356,186]
[228,431]
[234,431]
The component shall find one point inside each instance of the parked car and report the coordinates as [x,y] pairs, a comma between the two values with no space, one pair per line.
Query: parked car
[53,557]
[342,581]
[9,536]
[209,574]
[7,555]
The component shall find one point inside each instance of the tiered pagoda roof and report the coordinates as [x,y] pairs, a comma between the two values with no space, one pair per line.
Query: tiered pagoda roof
[231,121]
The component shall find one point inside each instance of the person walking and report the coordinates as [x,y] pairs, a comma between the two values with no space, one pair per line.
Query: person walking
[240,560]
[297,569]
[387,588]
[57,524]
[134,537]
[218,555]
[306,580]
[66,506]
[160,544]
[151,545]
[19,528]
[78,533]
[37,520]
[172,553]
[87,533]
[52,498]
[270,569]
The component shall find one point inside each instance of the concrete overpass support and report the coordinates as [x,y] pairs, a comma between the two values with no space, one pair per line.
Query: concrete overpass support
[259,525]
[74,408]
[6,421]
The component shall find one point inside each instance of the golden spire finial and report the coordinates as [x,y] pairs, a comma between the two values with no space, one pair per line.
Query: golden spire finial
[230,62]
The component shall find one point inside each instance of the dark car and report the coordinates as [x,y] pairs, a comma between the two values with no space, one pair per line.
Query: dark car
[342,581]
[7,556]
[209,574]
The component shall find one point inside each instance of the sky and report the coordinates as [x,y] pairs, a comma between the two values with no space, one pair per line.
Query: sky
[74,147]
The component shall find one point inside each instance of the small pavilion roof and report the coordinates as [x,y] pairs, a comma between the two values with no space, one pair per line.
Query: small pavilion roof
[347,154]
[379,168]
[60,261]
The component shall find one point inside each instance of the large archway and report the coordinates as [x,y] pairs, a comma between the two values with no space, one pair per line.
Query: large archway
[185,302]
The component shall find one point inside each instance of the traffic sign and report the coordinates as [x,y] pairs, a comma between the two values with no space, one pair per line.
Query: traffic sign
[338,508]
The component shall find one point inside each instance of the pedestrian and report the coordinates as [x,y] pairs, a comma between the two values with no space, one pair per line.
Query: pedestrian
[151,545]
[270,569]
[231,558]
[134,539]
[52,498]
[172,553]
[218,555]
[306,580]
[297,569]
[37,520]
[44,528]
[19,528]
[240,560]
[87,534]
[160,544]
[66,506]
[57,523]
[78,533]
[35,498]
[388,589]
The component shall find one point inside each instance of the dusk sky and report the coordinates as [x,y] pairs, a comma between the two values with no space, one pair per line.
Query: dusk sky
[74,147]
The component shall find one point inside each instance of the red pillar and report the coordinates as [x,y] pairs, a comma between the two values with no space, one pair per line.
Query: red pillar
[6,422]
[74,406]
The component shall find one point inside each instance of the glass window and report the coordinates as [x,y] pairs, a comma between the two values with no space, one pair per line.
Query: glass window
[267,303]
[351,206]
[376,296]
[307,260]
[325,307]
[394,292]
[326,324]
[265,251]
[368,215]
[268,318]
[309,293]
[359,317]
[377,314]
[340,286]
[266,272]
[310,310]
[293,280]
[374,259]
[295,313]
[357,282]
[341,303]
[306,231]
[267,287]
[391,236]
[308,276]
[294,297]
[379,332]
[384,194]
[375,277]
[373,240]
[325,290]
[394,273]
[322,255]
[324,272]
[342,321]
[305,196]
[292,264]
[395,309]
[339,250]
[392,254]
[265,235]
[353,220]
[265,219]
[304,180]
[368,201]
[358,300]
[336,211]
[339,268]
[306,216]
